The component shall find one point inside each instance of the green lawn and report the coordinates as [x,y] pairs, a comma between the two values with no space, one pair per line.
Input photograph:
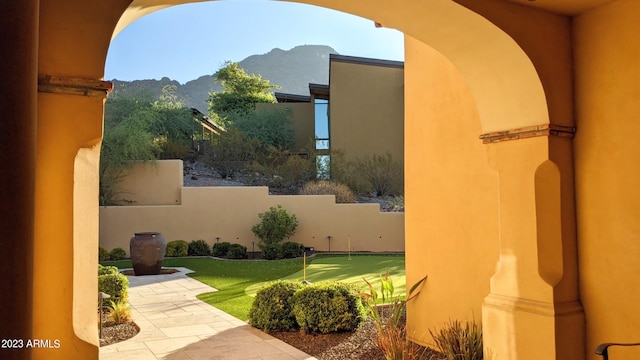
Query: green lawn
[237,281]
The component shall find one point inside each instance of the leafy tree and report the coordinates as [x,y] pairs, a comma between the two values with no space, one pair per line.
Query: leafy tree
[241,92]
[275,226]
[272,127]
[139,129]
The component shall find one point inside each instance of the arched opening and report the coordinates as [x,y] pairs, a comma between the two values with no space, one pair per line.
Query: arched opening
[499,80]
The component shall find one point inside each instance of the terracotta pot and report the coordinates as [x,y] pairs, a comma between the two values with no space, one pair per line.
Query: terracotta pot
[147,252]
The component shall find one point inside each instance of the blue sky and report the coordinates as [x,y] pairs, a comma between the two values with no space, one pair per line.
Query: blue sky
[187,41]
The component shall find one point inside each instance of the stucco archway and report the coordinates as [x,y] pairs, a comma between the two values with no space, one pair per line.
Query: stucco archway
[505,87]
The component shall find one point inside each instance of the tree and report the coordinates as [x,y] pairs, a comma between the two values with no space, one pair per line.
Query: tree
[139,129]
[272,127]
[241,92]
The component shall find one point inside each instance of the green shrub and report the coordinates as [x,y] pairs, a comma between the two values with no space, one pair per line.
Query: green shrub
[231,153]
[457,340]
[116,285]
[271,251]
[342,192]
[275,225]
[117,254]
[220,249]
[107,270]
[199,248]
[328,307]
[237,251]
[177,248]
[272,308]
[292,249]
[103,254]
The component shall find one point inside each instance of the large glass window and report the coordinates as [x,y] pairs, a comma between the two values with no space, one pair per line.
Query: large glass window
[322,124]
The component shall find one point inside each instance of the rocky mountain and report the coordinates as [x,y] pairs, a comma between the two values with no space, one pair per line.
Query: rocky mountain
[292,70]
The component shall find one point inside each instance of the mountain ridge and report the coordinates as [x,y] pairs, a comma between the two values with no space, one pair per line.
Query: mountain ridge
[292,70]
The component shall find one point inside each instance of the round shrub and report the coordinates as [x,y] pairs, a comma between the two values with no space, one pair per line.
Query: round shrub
[199,248]
[116,285]
[237,251]
[275,225]
[272,309]
[117,254]
[328,307]
[220,249]
[103,254]
[342,192]
[107,270]
[177,248]
[271,251]
[292,249]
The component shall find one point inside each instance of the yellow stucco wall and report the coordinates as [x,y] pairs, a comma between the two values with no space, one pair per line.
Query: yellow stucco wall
[607,171]
[452,222]
[516,64]
[366,109]
[229,212]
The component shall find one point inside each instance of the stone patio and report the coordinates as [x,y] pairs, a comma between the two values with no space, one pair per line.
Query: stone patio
[175,325]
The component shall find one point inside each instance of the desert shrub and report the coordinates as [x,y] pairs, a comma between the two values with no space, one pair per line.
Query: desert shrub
[117,254]
[275,225]
[459,340]
[272,308]
[293,173]
[119,312]
[220,249]
[177,248]
[271,251]
[342,192]
[237,251]
[270,126]
[231,153]
[199,248]
[328,307]
[116,285]
[384,175]
[103,254]
[292,249]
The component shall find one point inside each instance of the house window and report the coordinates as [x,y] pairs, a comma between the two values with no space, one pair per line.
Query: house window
[323,159]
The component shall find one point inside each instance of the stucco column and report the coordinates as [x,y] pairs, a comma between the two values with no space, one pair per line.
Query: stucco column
[18,74]
[533,310]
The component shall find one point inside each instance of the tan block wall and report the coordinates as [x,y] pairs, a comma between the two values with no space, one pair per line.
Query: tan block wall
[607,172]
[155,183]
[229,212]
[367,109]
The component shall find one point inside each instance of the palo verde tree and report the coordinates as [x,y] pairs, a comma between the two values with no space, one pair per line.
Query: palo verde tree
[137,128]
[240,93]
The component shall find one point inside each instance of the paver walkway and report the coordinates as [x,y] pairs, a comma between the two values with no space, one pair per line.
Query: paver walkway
[175,325]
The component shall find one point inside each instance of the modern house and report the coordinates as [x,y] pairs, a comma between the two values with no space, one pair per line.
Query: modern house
[360,111]
[520,155]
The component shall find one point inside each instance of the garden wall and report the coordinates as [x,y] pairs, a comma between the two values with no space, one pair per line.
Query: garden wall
[228,213]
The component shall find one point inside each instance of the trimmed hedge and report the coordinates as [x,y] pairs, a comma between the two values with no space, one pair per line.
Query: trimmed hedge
[199,248]
[272,308]
[103,254]
[292,250]
[272,251]
[220,249]
[177,248]
[328,307]
[237,251]
[319,308]
[112,282]
[117,254]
